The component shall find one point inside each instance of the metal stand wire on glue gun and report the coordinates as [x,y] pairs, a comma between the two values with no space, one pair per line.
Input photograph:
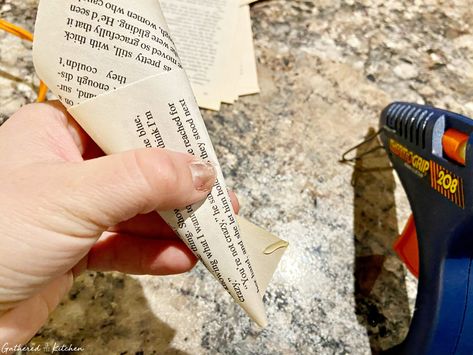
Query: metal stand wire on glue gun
[432,152]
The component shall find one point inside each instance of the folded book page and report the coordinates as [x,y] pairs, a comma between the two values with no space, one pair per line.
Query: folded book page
[115,67]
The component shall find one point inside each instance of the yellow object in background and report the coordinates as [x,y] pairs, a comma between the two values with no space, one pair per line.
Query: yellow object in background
[26,35]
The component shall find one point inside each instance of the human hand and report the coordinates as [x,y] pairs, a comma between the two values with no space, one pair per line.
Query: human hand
[65,209]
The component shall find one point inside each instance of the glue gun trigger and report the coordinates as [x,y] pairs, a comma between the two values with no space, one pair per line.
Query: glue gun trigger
[407,247]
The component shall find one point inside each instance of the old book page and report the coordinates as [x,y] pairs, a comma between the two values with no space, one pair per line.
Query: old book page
[247,2]
[215,44]
[204,32]
[248,81]
[115,66]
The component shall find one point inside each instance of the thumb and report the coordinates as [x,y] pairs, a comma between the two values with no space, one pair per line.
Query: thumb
[103,192]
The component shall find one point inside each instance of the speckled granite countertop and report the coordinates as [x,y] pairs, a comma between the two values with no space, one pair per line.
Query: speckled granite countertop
[327,68]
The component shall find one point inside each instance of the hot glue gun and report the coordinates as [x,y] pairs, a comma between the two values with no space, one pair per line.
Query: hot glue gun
[432,152]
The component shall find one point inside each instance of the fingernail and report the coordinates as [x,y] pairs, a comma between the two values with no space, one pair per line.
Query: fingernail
[203,175]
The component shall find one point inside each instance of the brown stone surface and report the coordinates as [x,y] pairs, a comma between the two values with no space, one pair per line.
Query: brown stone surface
[327,68]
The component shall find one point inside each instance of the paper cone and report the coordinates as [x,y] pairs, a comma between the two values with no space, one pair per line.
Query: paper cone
[115,66]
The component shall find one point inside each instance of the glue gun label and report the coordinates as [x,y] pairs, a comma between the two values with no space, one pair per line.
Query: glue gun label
[441,180]
[416,163]
[447,183]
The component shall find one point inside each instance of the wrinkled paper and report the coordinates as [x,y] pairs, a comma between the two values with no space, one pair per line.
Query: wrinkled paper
[114,65]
